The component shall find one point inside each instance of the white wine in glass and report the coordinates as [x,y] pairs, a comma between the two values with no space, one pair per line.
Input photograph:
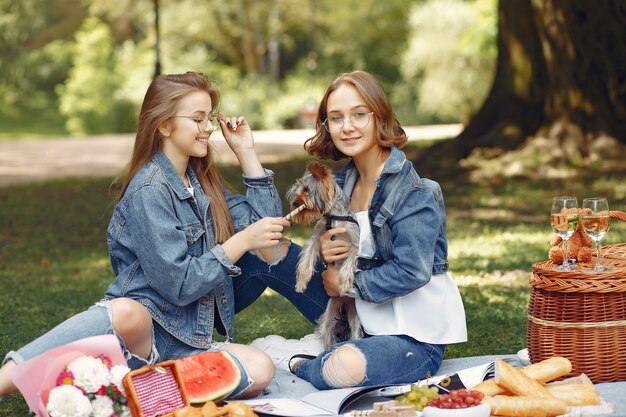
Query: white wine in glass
[564,220]
[596,222]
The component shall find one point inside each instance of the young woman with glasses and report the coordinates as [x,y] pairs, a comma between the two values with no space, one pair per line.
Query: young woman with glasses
[187,252]
[408,304]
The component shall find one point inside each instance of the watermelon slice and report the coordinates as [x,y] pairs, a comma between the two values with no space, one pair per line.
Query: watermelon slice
[209,376]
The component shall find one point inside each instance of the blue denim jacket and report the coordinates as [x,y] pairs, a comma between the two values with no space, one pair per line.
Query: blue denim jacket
[163,253]
[408,220]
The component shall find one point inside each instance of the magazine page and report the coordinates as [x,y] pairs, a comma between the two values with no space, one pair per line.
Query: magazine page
[288,407]
[326,402]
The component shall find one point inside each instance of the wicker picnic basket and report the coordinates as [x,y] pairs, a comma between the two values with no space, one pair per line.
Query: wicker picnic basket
[581,315]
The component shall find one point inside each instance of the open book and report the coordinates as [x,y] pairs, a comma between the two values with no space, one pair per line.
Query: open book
[339,401]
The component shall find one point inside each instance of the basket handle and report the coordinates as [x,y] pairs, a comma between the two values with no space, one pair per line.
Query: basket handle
[617,215]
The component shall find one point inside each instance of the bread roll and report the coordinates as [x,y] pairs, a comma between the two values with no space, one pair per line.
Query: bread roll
[575,394]
[544,371]
[522,406]
[518,382]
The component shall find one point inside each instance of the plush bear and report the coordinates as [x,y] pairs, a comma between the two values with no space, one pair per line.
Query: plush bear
[579,246]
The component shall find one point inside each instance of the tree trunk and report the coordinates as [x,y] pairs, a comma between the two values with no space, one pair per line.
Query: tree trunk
[561,73]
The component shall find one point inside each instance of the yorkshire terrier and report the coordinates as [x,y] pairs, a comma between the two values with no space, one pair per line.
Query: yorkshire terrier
[317,197]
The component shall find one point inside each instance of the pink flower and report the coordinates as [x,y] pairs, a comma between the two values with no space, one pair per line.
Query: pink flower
[101,391]
[106,359]
[65,378]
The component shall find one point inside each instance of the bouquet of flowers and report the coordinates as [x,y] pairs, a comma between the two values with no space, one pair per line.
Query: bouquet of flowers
[89,386]
[80,379]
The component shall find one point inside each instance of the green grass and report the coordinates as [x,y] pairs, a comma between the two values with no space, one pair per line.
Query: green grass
[32,125]
[54,262]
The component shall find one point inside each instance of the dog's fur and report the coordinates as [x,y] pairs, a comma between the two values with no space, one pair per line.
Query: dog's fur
[321,195]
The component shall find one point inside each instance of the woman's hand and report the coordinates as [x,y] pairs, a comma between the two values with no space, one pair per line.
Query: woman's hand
[333,250]
[238,135]
[264,233]
[330,277]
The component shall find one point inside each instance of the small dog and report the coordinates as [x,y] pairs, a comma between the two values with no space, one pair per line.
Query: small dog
[327,204]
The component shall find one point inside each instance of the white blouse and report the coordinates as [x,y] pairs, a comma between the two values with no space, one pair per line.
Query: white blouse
[433,313]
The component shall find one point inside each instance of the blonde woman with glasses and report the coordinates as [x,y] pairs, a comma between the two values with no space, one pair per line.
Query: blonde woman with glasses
[187,252]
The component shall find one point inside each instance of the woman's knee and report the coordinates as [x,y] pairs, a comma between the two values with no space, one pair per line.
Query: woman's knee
[130,316]
[345,367]
[133,323]
[257,364]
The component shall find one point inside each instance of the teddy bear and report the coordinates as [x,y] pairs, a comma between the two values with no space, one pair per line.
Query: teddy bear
[578,246]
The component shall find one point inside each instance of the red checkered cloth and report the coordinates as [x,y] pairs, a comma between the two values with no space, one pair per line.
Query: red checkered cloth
[157,392]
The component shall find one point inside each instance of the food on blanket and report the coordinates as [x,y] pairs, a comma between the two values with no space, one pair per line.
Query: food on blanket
[235,409]
[517,382]
[209,376]
[418,396]
[187,411]
[575,394]
[523,406]
[208,408]
[544,371]
[238,409]
[578,246]
[457,398]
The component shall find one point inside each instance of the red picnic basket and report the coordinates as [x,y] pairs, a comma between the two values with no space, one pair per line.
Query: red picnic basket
[581,315]
[155,390]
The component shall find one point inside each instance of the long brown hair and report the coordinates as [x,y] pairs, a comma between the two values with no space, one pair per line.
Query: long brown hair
[159,104]
[389,131]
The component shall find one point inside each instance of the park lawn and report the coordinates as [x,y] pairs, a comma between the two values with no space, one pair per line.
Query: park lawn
[54,261]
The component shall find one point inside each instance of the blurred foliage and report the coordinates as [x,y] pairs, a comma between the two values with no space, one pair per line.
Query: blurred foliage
[90,61]
[450,59]
[85,96]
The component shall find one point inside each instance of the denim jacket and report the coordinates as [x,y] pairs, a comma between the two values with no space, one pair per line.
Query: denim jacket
[163,251]
[408,221]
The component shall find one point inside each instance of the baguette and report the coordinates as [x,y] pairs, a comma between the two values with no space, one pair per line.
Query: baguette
[575,394]
[518,382]
[502,405]
[544,371]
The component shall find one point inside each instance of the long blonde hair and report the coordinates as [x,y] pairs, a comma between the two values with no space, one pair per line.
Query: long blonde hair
[160,104]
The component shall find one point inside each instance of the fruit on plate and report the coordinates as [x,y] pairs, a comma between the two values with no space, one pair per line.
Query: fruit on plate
[418,396]
[458,398]
[209,376]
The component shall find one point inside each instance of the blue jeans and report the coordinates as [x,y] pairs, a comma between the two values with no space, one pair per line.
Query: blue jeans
[257,275]
[390,358]
[95,321]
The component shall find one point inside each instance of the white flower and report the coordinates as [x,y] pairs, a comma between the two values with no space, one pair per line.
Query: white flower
[117,374]
[125,412]
[68,401]
[102,406]
[89,373]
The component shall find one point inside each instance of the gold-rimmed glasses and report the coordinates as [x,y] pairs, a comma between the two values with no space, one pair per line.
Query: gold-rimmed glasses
[203,121]
[359,119]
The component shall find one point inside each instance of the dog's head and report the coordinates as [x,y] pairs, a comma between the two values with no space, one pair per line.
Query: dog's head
[316,189]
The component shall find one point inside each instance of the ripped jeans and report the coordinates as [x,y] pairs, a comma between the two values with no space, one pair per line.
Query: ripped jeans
[96,321]
[390,359]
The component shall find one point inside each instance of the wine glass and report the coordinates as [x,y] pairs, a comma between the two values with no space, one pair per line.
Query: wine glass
[564,220]
[596,222]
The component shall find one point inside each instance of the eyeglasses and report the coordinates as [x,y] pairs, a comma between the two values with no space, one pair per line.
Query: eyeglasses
[203,122]
[358,119]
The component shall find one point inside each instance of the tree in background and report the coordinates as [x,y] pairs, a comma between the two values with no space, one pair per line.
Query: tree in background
[449,62]
[87,97]
[558,100]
